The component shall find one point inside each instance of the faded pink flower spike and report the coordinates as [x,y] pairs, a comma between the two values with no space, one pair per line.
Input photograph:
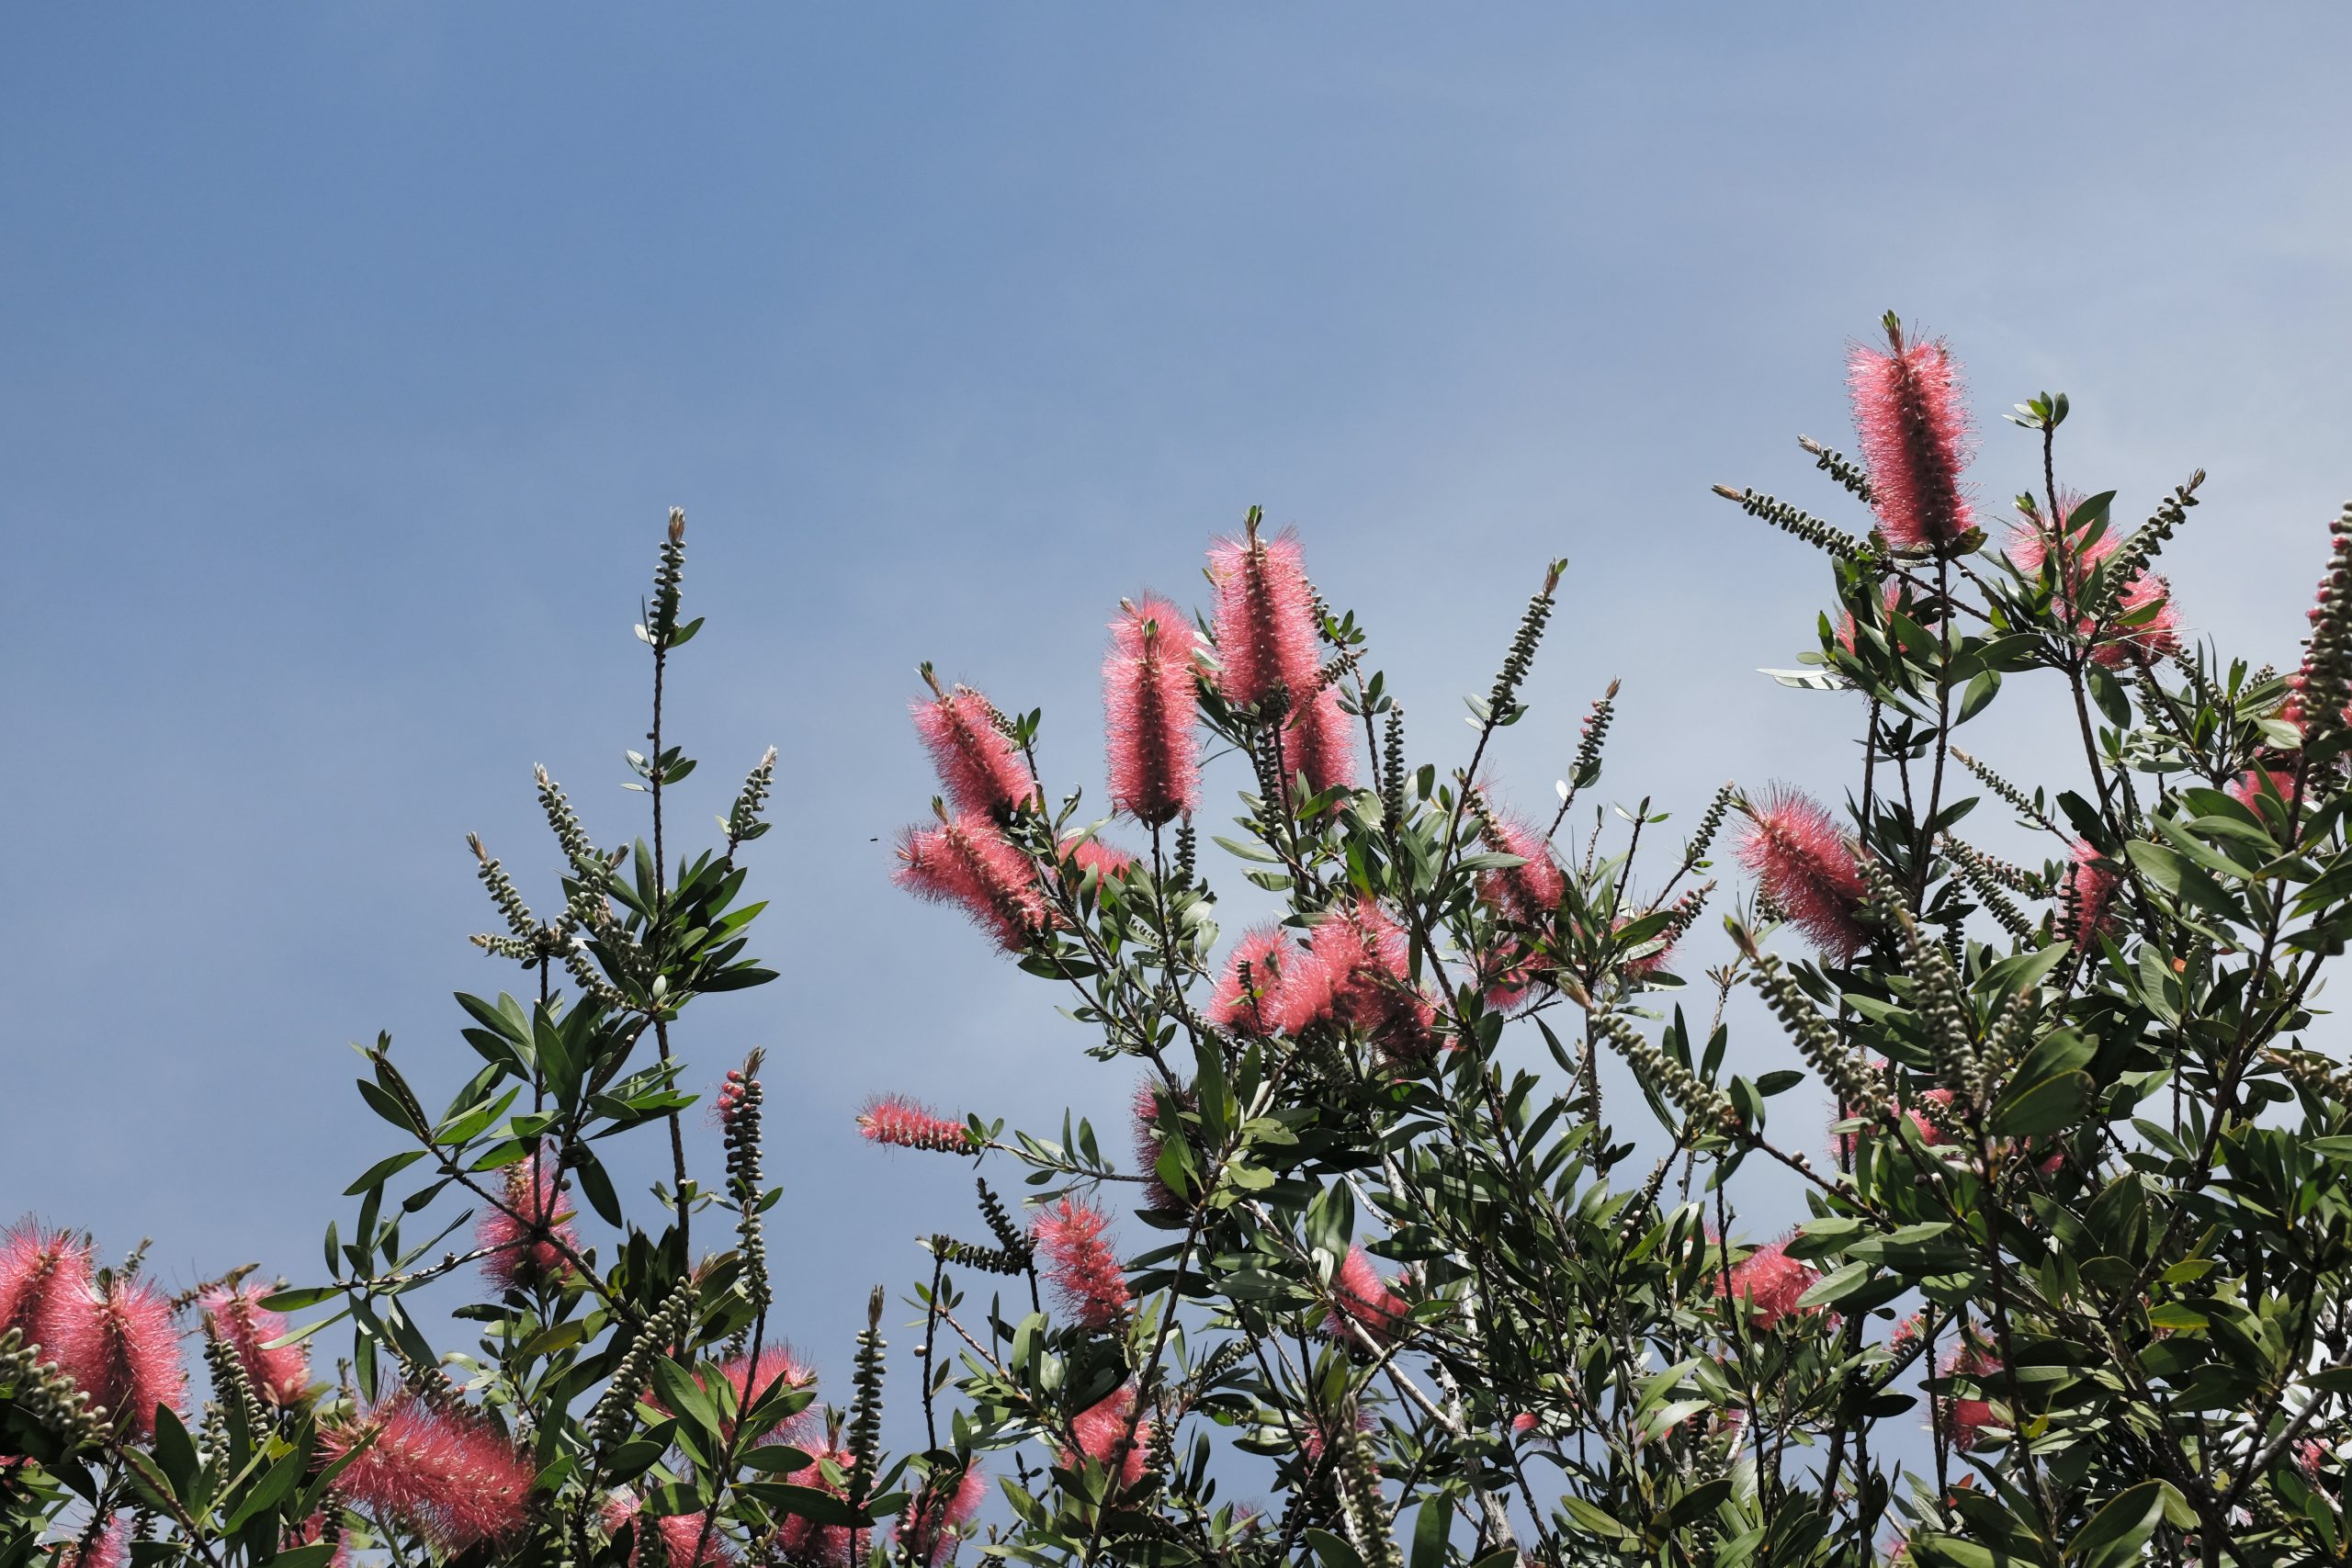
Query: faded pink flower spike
[966,861]
[237,1319]
[980,768]
[2091,881]
[934,1522]
[1082,1263]
[447,1474]
[1147,712]
[1807,867]
[905,1124]
[526,1246]
[39,1270]
[1102,1437]
[1964,1418]
[121,1348]
[1361,1300]
[679,1532]
[2251,785]
[1770,1281]
[1911,417]
[805,1541]
[312,1531]
[1266,618]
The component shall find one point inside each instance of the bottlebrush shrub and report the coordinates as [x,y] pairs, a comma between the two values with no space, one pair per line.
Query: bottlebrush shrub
[2070,1281]
[631,1398]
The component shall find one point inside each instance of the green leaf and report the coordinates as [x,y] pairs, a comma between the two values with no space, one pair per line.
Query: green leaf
[2118,1531]
[2056,1101]
[1331,1551]
[1428,1532]
[382,1169]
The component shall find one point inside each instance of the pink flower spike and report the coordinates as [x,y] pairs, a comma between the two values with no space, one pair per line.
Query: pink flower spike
[1965,1417]
[778,1368]
[1770,1282]
[1109,861]
[121,1348]
[1911,417]
[1102,1437]
[526,1246]
[979,768]
[679,1532]
[1529,893]
[39,1271]
[1147,712]
[1809,869]
[906,1124]
[109,1549]
[1248,997]
[2246,789]
[1148,1100]
[448,1476]
[1364,952]
[1266,618]
[237,1319]
[1081,1262]
[2091,881]
[1361,1300]
[966,862]
[826,1546]
[934,1523]
[1319,742]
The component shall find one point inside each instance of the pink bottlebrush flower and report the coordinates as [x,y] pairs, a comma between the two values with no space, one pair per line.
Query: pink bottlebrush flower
[1524,1423]
[1361,1300]
[2091,881]
[807,1541]
[39,1270]
[980,770]
[1527,893]
[1315,1440]
[778,1368]
[1265,619]
[1101,1430]
[1082,1263]
[281,1375]
[1907,1333]
[2310,1454]
[679,1532]
[1092,854]
[2248,786]
[2069,554]
[526,1246]
[1248,996]
[966,861]
[312,1531]
[1911,417]
[1364,953]
[1770,1281]
[447,1474]
[1964,1418]
[1319,743]
[1850,636]
[934,1521]
[1149,1101]
[1147,712]
[1809,869]
[1511,975]
[905,1124]
[1929,1133]
[120,1348]
[110,1548]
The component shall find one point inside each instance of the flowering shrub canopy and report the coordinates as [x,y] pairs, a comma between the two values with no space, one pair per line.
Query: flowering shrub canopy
[1389,1276]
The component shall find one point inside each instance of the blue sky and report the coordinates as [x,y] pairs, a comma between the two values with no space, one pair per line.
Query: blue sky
[350,355]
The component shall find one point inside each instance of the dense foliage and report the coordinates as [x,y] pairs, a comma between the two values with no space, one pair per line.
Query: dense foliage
[1398,1283]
